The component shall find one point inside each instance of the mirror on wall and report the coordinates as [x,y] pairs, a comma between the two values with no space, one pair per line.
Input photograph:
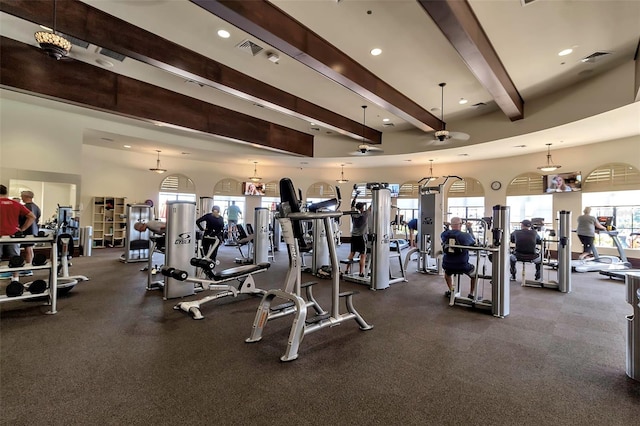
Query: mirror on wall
[47,195]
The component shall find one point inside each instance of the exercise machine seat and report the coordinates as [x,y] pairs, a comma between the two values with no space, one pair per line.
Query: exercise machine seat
[239,271]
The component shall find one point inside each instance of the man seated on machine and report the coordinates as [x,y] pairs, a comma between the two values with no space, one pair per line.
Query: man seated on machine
[526,241]
[456,260]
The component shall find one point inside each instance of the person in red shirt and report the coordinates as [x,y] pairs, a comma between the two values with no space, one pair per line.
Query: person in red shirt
[10,213]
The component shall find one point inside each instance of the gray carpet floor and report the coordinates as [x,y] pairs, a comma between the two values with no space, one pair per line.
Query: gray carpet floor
[116,353]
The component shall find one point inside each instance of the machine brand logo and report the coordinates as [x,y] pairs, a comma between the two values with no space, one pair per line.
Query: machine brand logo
[184,238]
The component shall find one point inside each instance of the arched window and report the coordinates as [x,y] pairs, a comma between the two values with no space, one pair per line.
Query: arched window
[613,190]
[465,199]
[526,199]
[612,177]
[175,187]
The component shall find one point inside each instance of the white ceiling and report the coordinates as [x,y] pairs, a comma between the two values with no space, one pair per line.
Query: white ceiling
[416,58]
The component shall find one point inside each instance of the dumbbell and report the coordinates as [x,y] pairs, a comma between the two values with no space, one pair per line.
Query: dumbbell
[14,289]
[18,234]
[37,287]
[205,264]
[16,261]
[42,234]
[39,259]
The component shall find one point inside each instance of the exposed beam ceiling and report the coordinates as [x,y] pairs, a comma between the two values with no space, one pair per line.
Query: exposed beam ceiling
[268,23]
[28,69]
[459,24]
[86,23]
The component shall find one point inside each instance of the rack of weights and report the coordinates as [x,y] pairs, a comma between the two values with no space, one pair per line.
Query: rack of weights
[41,285]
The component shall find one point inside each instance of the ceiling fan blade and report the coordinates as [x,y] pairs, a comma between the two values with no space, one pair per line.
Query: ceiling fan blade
[459,136]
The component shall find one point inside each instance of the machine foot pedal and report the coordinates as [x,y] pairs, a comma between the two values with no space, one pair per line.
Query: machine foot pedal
[282,306]
[317,318]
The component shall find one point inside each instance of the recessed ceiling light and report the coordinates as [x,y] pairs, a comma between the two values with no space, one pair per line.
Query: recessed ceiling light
[462,101]
[565,52]
[386,120]
[376,51]
[223,34]
[104,63]
[126,146]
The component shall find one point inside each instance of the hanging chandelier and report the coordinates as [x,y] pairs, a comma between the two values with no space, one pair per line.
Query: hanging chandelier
[342,179]
[53,44]
[157,168]
[255,177]
[549,167]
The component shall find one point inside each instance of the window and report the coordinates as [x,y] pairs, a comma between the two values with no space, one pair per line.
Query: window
[626,215]
[528,206]
[175,187]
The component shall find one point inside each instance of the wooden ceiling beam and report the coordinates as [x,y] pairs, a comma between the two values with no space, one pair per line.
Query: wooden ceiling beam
[84,22]
[460,26]
[28,69]
[270,24]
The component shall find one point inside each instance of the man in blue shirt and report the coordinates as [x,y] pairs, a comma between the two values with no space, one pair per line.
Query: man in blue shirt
[413,230]
[456,260]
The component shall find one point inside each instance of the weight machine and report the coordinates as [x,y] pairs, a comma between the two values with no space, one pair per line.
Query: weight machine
[290,218]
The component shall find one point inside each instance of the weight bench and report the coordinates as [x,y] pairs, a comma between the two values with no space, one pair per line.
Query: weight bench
[243,274]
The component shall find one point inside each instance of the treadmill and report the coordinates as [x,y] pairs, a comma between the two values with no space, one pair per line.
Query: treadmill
[604,263]
[620,270]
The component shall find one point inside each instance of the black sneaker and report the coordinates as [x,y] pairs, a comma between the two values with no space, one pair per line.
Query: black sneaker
[470,296]
[447,293]
[513,277]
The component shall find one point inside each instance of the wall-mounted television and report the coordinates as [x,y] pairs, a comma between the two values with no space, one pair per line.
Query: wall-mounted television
[395,189]
[562,182]
[253,188]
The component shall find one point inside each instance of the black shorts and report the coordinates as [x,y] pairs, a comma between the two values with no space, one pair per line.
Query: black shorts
[467,269]
[358,244]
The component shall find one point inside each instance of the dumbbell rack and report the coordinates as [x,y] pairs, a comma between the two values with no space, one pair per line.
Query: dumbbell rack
[51,264]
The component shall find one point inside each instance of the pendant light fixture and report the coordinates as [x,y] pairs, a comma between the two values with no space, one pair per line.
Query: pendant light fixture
[342,179]
[255,177]
[549,167]
[53,44]
[157,168]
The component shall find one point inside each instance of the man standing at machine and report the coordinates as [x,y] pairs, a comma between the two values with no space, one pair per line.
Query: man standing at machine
[214,227]
[359,222]
[27,199]
[10,213]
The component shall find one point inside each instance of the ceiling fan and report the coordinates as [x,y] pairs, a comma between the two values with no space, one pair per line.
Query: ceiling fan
[364,148]
[442,137]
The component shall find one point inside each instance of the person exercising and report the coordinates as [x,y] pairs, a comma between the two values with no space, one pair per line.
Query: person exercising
[413,231]
[359,226]
[213,228]
[233,213]
[526,241]
[456,261]
[27,199]
[586,231]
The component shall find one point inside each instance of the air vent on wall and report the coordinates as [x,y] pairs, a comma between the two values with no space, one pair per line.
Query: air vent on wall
[249,47]
[111,54]
[594,56]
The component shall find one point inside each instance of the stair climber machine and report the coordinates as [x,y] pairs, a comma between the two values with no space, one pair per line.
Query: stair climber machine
[500,292]
[290,218]
[564,258]
[379,237]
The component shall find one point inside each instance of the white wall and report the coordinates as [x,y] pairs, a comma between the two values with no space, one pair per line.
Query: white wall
[44,139]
